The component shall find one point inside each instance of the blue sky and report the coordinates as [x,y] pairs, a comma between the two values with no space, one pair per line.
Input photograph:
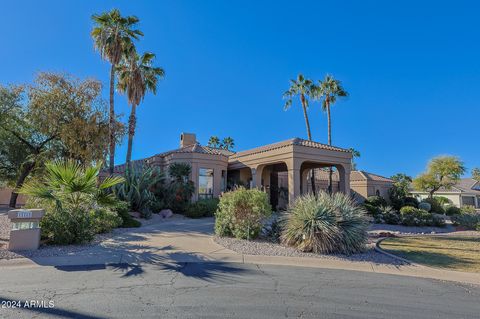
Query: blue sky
[412,69]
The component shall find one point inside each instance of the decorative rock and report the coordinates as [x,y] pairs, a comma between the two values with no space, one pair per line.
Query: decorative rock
[166,213]
[135,214]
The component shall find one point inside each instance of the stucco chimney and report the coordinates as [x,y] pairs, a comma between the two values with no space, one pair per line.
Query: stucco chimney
[187,139]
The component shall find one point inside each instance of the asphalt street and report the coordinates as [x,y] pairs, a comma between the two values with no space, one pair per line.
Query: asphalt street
[226,290]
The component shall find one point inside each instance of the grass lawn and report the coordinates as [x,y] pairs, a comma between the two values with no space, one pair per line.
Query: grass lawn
[450,252]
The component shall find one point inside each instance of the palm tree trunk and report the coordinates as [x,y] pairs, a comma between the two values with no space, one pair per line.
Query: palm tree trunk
[305,115]
[26,169]
[131,132]
[309,134]
[330,171]
[112,121]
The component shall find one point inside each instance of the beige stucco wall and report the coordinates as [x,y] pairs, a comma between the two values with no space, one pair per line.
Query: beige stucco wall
[5,194]
[197,161]
[364,189]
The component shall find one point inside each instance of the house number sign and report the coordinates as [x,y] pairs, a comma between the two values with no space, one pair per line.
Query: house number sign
[24,214]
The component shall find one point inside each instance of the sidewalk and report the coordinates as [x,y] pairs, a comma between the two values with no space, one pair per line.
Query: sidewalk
[191,241]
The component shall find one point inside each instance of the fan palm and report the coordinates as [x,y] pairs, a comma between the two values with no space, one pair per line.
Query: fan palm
[137,76]
[355,154]
[68,183]
[301,87]
[227,143]
[328,91]
[112,34]
[214,142]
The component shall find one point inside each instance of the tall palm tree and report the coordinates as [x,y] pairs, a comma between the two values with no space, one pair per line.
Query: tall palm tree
[228,143]
[355,154]
[112,34]
[137,76]
[301,87]
[214,141]
[328,91]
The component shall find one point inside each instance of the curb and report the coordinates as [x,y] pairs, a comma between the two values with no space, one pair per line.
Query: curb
[381,251]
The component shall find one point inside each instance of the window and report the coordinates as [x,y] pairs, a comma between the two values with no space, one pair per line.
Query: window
[377,192]
[205,183]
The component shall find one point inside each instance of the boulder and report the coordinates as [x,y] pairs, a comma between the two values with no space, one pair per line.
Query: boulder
[166,213]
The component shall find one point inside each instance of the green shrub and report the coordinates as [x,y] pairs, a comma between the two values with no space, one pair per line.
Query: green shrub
[373,203]
[425,206]
[241,212]
[411,201]
[467,220]
[452,210]
[127,221]
[411,216]
[442,200]
[436,207]
[371,209]
[67,226]
[202,208]
[376,201]
[325,224]
[104,220]
[468,209]
[387,215]
[71,195]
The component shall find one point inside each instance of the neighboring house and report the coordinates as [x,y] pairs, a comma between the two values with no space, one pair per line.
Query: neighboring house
[281,168]
[465,192]
[362,184]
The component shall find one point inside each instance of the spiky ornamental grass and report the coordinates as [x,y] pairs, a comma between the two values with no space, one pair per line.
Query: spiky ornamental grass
[325,224]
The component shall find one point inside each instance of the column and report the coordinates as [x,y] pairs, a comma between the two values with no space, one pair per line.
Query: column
[194,179]
[293,184]
[344,173]
[256,177]
[304,181]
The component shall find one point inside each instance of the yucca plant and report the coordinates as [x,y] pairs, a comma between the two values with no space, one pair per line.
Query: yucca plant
[137,189]
[352,222]
[75,201]
[324,224]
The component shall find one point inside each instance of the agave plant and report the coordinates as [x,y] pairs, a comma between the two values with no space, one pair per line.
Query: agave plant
[325,224]
[136,190]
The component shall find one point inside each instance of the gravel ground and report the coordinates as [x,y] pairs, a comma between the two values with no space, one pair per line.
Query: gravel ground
[266,248]
[53,250]
[407,230]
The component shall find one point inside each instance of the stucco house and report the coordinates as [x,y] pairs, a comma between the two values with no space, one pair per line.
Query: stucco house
[465,192]
[215,170]
[281,169]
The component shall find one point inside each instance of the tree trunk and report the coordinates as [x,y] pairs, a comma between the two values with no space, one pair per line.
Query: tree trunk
[26,169]
[112,121]
[305,115]
[330,171]
[131,132]
[309,134]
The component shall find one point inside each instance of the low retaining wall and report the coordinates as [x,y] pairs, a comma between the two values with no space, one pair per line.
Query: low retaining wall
[5,194]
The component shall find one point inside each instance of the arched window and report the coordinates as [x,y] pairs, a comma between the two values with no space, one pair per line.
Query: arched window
[377,192]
